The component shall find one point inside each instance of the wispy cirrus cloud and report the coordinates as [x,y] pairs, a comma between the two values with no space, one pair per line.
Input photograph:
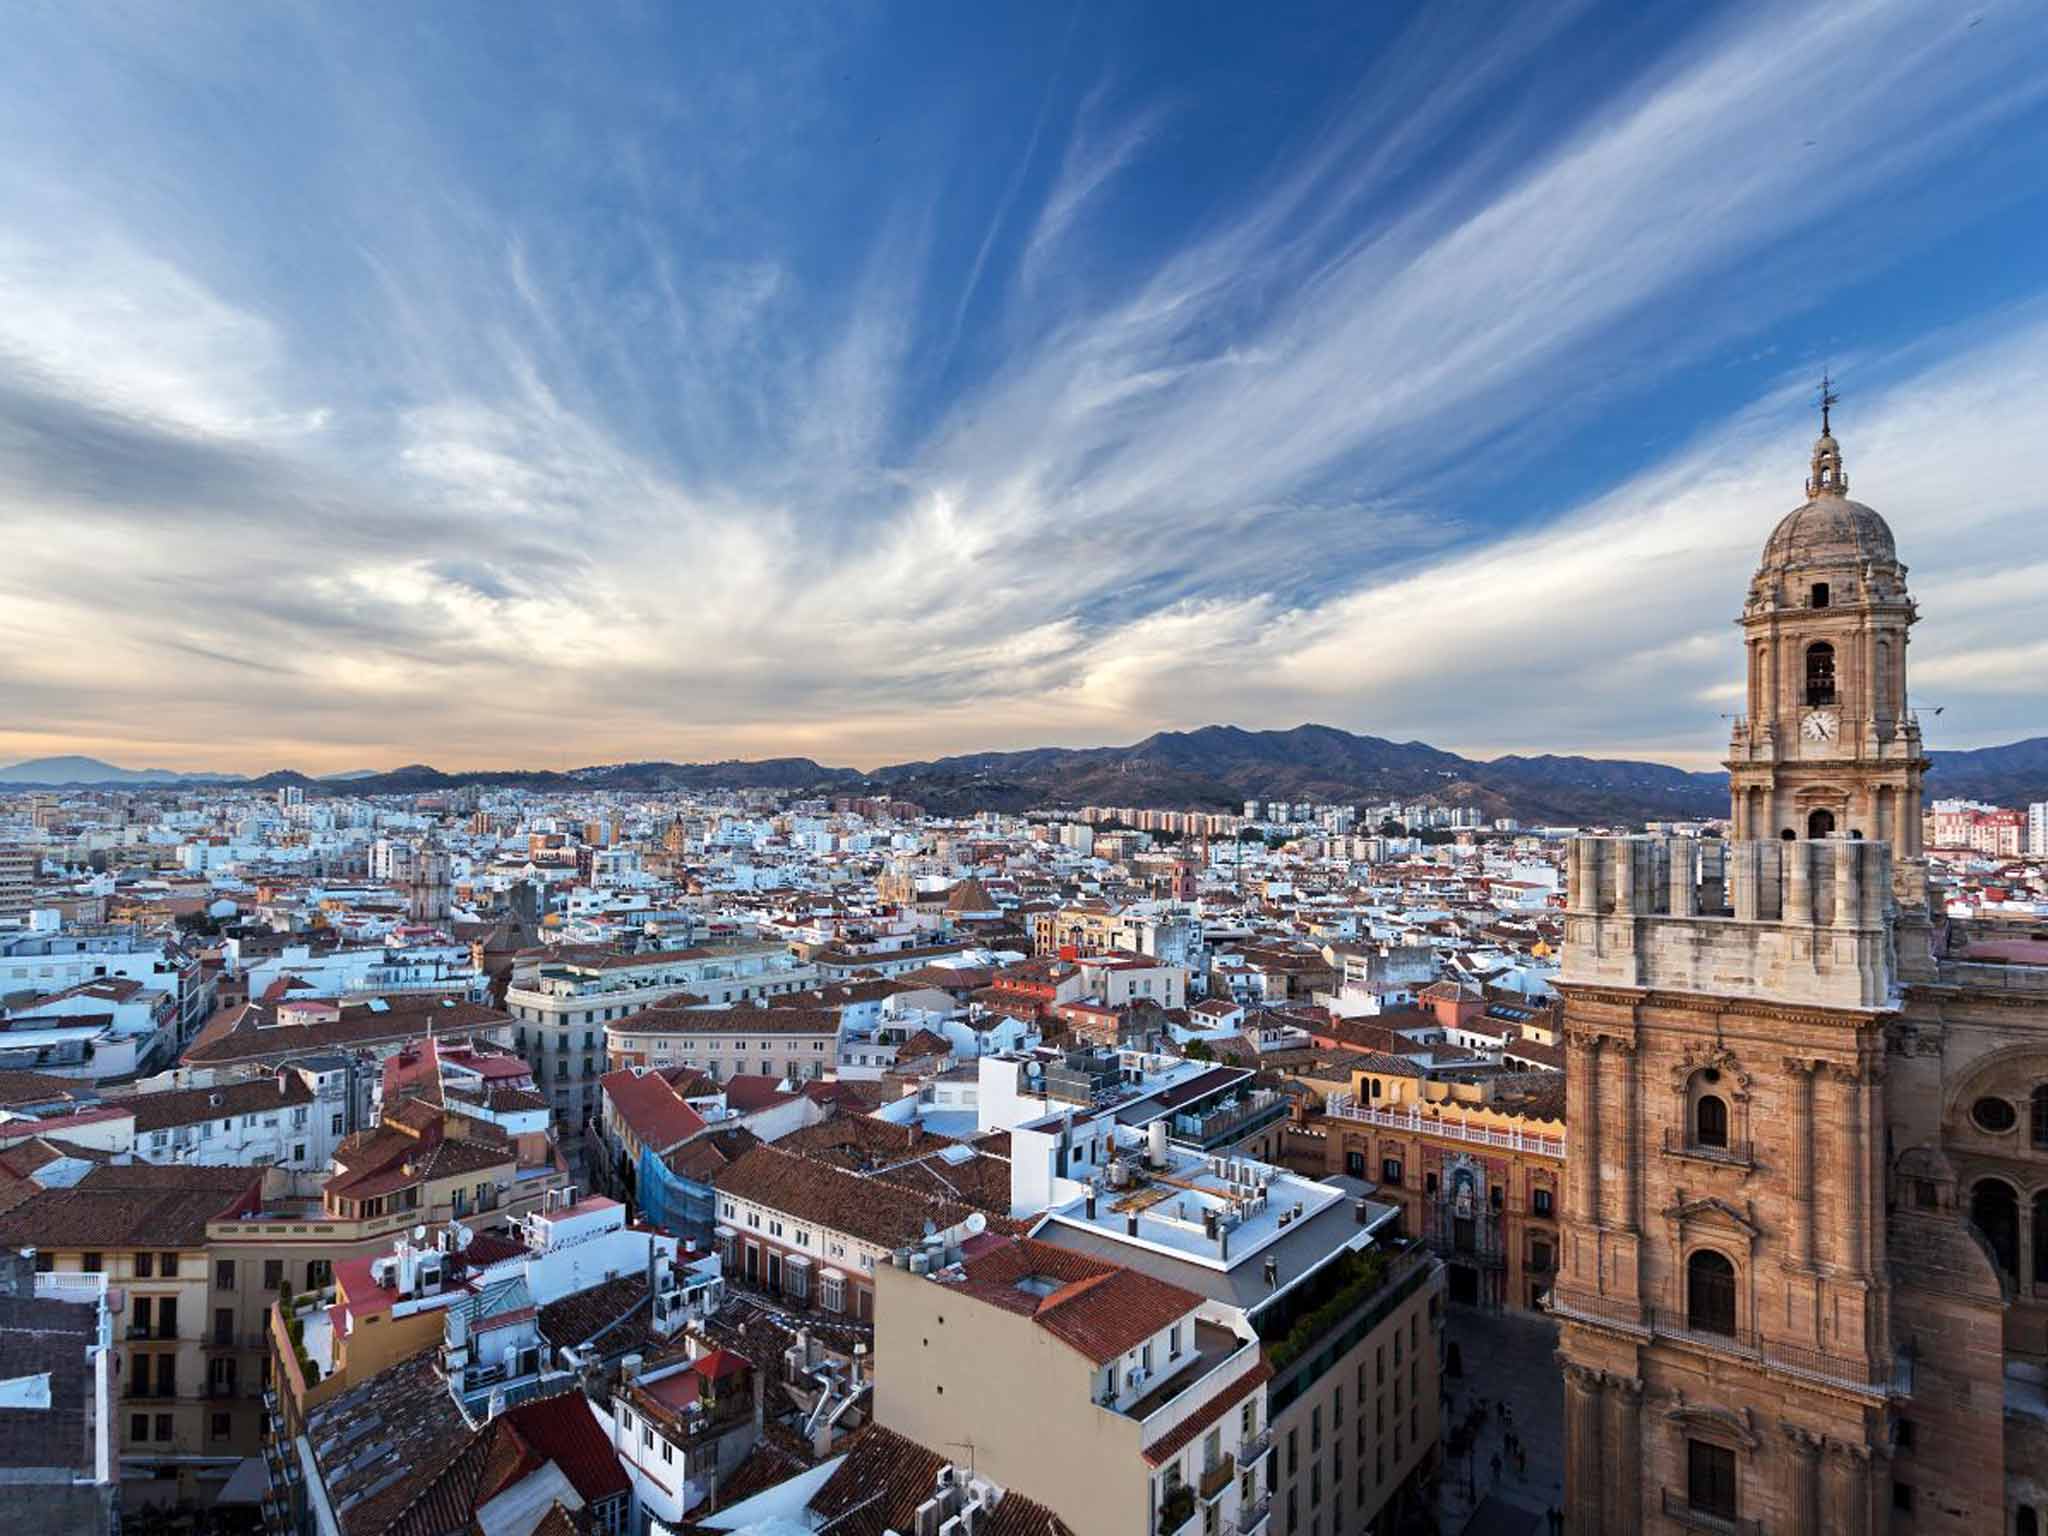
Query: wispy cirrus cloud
[630,446]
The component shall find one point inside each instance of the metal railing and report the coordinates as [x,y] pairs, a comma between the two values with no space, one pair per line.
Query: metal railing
[1679,1508]
[1855,1371]
[1341,1106]
[1216,1478]
[1736,1154]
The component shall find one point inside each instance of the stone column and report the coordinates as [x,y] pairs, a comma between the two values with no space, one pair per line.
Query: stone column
[1802,1493]
[1848,1499]
[1624,1455]
[1583,1486]
[1800,1070]
[1798,908]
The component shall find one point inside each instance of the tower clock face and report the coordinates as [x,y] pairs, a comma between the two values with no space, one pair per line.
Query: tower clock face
[1819,725]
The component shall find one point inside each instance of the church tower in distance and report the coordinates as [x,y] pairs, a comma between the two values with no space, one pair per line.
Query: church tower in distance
[1780,1311]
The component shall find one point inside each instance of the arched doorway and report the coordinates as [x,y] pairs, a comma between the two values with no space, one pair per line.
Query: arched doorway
[1820,823]
[1995,1212]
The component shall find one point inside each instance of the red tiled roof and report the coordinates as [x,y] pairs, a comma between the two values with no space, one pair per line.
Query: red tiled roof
[1100,1309]
[651,1109]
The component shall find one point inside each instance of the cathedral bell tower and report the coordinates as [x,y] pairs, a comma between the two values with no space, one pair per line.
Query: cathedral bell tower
[1725,1298]
[1829,746]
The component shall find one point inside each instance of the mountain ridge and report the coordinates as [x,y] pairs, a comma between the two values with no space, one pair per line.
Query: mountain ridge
[1209,767]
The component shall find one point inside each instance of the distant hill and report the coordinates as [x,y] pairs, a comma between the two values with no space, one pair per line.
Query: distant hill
[1217,767]
[90,770]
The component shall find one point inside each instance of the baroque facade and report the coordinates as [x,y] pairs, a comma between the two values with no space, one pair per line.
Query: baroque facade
[1805,1239]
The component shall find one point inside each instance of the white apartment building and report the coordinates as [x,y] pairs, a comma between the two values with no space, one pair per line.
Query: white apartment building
[561,1005]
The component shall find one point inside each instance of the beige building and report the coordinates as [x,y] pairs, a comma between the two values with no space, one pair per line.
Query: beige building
[1096,1390]
[1805,1281]
[801,1044]
[190,1351]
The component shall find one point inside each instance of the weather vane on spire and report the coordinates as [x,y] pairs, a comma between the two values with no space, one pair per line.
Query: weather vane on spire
[1828,400]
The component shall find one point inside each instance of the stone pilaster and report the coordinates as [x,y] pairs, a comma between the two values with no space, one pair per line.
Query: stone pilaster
[1848,1490]
[1847,1253]
[1624,1455]
[1800,1072]
[1584,1486]
[1628,1158]
[1582,1090]
[1802,1491]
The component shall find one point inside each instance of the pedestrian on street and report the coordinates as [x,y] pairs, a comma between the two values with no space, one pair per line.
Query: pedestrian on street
[1496,1466]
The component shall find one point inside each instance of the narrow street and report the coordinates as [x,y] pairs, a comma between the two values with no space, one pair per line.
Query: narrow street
[1505,1359]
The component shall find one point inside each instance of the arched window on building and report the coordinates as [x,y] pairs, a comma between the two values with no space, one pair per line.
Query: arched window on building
[2040,1119]
[1820,824]
[1710,1293]
[1995,1212]
[1710,1121]
[2040,1236]
[1820,673]
[1820,594]
[2027,1523]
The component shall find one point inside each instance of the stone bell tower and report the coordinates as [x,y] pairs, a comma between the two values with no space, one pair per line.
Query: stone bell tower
[1829,746]
[1725,1302]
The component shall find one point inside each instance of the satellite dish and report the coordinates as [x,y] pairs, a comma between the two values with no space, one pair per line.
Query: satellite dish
[976,1224]
[419,1234]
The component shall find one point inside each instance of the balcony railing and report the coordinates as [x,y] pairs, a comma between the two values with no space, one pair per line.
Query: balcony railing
[1855,1371]
[1341,1106]
[1679,1508]
[1251,1518]
[1216,1478]
[1250,1450]
[1736,1154]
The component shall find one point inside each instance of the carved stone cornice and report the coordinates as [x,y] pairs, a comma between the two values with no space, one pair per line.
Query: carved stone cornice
[1703,1054]
[1738,1425]
[1630,1387]
[1854,1455]
[1805,1443]
[1800,1066]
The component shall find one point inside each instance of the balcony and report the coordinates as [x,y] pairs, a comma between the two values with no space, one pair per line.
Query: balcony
[1215,1479]
[1679,1509]
[1737,1154]
[1176,1511]
[1856,1372]
[219,1389]
[1252,1449]
[1251,1518]
[1341,1106]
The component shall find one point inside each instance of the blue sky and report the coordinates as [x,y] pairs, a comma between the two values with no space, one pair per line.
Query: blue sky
[508,384]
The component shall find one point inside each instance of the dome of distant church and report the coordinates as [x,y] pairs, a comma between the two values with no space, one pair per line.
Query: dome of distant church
[1830,530]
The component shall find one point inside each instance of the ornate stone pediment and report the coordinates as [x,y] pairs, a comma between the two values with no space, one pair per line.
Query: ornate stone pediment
[1704,1054]
[1713,1211]
[1738,1426]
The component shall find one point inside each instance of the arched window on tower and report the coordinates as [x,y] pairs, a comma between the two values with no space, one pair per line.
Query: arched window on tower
[1820,673]
[1995,1213]
[1710,1293]
[1710,1121]
[1820,594]
[1820,824]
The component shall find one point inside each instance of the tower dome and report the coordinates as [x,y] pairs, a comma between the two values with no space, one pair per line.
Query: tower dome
[1829,529]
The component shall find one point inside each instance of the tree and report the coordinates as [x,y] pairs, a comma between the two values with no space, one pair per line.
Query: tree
[1200,1050]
